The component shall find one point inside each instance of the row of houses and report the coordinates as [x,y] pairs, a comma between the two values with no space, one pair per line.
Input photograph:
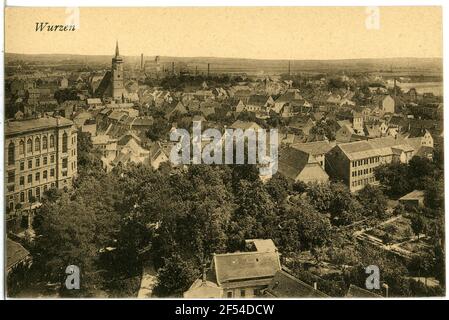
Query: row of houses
[354,162]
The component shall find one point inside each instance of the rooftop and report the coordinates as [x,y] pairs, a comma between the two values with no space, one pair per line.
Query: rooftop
[44,123]
[284,285]
[241,266]
[15,253]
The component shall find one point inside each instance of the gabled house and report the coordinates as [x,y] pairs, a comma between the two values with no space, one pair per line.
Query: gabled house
[297,165]
[317,149]
[239,274]
[285,285]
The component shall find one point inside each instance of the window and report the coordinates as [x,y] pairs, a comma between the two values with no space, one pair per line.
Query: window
[38,162]
[38,176]
[37,144]
[44,174]
[229,294]
[44,142]
[30,194]
[11,176]
[22,166]
[29,146]
[52,158]
[11,153]
[22,197]
[45,161]
[30,178]
[52,172]
[30,164]
[38,193]
[45,188]
[64,142]
[242,293]
[22,181]
[64,163]
[52,141]
[21,147]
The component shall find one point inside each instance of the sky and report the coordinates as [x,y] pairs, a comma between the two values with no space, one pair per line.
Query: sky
[237,32]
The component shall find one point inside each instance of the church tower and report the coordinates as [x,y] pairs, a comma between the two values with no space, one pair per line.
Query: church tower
[118,88]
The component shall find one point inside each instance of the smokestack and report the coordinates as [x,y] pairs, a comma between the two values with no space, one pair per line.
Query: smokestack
[141,61]
[289,68]
[208,70]
[173,68]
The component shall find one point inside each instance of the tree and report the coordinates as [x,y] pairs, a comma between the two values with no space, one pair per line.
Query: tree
[394,178]
[175,277]
[66,237]
[255,216]
[278,188]
[158,130]
[88,158]
[418,224]
[302,227]
[374,201]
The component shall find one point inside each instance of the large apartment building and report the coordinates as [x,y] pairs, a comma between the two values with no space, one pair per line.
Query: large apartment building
[354,162]
[39,154]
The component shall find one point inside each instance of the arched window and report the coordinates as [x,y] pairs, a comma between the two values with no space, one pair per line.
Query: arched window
[21,147]
[64,142]
[52,141]
[29,145]
[37,144]
[44,142]
[11,153]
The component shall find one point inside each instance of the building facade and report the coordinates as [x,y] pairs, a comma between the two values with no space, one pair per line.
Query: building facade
[354,162]
[39,154]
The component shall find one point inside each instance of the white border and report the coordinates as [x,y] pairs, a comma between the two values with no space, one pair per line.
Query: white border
[222,3]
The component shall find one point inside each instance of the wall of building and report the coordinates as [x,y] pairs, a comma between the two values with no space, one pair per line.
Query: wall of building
[34,171]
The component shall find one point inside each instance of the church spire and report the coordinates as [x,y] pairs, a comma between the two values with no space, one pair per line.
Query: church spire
[116,49]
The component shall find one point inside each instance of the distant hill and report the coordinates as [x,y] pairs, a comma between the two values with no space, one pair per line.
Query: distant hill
[251,65]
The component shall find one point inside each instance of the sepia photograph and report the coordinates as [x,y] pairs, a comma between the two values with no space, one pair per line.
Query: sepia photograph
[223,152]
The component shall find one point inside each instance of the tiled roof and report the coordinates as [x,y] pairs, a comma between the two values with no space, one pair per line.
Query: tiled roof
[244,125]
[284,285]
[415,194]
[257,99]
[357,292]
[243,266]
[292,161]
[374,147]
[314,148]
[15,253]
[22,126]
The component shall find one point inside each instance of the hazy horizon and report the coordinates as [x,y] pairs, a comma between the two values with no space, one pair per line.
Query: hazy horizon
[220,57]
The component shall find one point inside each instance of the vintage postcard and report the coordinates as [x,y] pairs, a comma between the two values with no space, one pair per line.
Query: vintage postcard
[224,152]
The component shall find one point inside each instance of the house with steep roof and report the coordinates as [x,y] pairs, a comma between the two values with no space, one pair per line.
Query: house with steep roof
[17,256]
[296,165]
[259,103]
[285,285]
[317,149]
[158,155]
[238,274]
